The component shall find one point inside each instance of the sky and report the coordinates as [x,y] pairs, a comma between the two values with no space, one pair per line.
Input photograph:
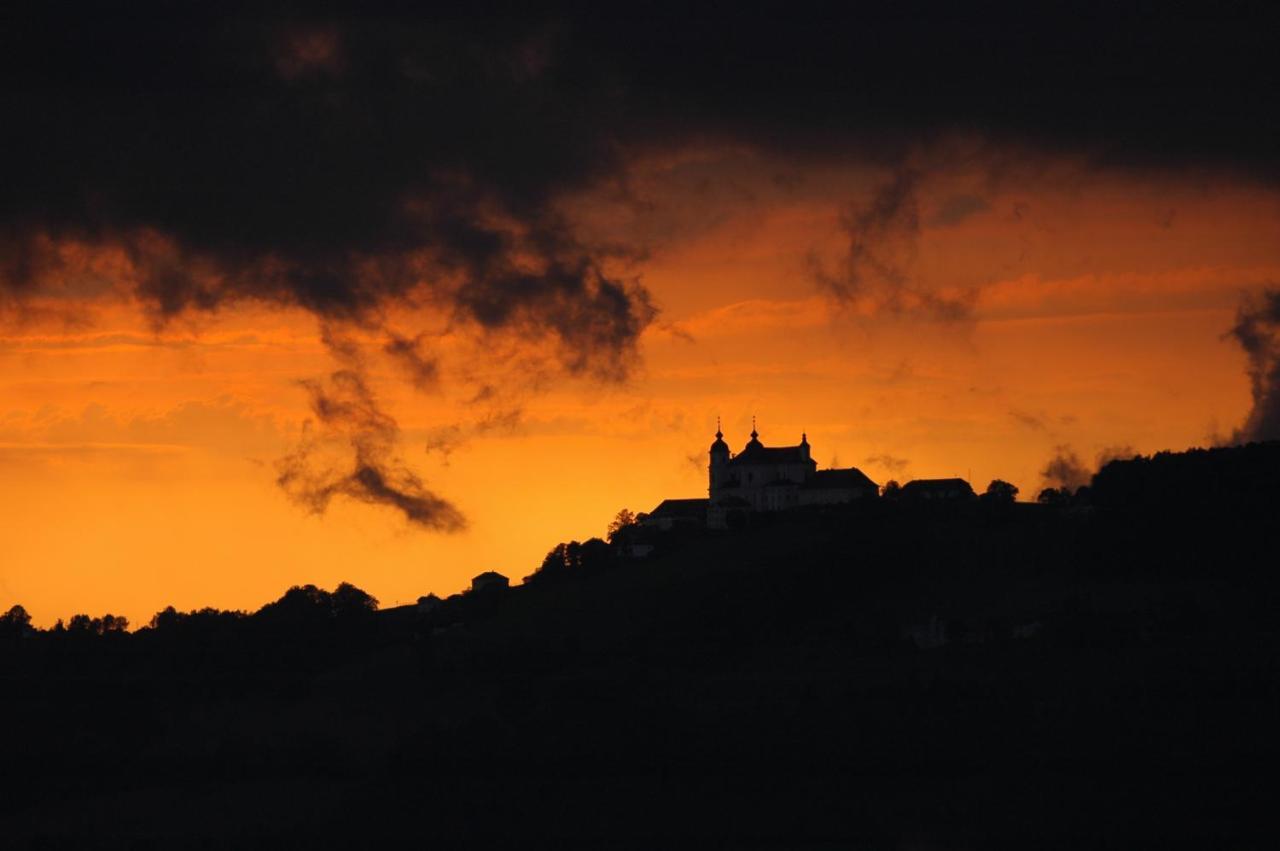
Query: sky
[395,300]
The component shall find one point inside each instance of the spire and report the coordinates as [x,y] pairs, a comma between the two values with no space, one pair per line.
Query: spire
[754,435]
[719,434]
[804,439]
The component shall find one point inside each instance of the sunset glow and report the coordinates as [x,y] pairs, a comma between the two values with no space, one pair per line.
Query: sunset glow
[140,458]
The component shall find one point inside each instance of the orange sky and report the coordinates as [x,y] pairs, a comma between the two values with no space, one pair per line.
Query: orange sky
[137,467]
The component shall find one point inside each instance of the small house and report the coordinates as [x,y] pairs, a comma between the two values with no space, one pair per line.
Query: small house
[937,490]
[490,580]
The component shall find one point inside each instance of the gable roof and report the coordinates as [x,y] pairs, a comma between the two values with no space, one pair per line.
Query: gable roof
[850,478]
[675,508]
[937,486]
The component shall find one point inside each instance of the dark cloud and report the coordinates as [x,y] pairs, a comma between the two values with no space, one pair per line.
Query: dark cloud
[1065,470]
[1257,330]
[339,167]
[889,462]
[410,355]
[368,469]
[1122,452]
[884,235]
[345,161]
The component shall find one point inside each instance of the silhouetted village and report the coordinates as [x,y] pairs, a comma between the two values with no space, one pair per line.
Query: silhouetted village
[802,657]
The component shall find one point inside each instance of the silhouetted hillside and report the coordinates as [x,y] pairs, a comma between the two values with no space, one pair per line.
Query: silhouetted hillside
[1218,480]
[885,675]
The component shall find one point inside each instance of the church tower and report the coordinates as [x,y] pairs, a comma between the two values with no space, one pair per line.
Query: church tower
[719,469]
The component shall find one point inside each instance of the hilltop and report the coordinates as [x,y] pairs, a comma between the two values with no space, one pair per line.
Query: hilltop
[977,674]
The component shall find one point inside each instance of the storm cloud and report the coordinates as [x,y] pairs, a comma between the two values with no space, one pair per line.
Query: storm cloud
[344,161]
[339,168]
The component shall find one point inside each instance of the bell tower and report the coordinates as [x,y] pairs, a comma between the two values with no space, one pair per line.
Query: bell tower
[719,467]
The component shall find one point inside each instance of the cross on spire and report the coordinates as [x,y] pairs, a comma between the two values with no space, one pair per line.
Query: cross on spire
[754,435]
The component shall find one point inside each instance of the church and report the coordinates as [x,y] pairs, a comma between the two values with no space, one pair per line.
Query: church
[775,478]
[761,479]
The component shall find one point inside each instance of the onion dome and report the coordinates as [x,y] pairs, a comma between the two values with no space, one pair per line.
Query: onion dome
[719,445]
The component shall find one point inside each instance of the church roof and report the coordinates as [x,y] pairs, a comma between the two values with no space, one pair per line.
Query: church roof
[757,453]
[851,477]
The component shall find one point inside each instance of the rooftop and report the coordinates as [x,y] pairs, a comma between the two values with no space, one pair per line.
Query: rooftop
[681,508]
[850,477]
[756,453]
[937,486]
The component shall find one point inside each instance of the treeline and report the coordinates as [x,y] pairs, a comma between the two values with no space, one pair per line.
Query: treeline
[302,610]
[1233,478]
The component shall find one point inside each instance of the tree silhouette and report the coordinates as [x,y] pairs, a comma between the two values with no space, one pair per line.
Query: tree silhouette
[1000,492]
[573,559]
[621,520]
[1054,496]
[108,624]
[349,601]
[83,625]
[891,489]
[15,623]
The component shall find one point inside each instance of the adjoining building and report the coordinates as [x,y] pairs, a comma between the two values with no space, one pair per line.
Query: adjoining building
[937,490]
[675,513]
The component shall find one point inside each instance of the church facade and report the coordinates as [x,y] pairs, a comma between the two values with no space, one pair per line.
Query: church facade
[775,478]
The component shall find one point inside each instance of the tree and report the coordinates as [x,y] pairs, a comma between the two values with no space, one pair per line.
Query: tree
[1000,492]
[347,600]
[301,605]
[114,623]
[15,622]
[83,625]
[621,520]
[891,489]
[571,559]
[1054,496]
[594,554]
[554,566]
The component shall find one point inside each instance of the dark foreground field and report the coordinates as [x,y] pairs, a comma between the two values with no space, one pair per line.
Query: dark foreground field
[887,678]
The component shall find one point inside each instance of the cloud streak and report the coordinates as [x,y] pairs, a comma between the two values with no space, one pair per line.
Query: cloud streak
[883,232]
[348,415]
